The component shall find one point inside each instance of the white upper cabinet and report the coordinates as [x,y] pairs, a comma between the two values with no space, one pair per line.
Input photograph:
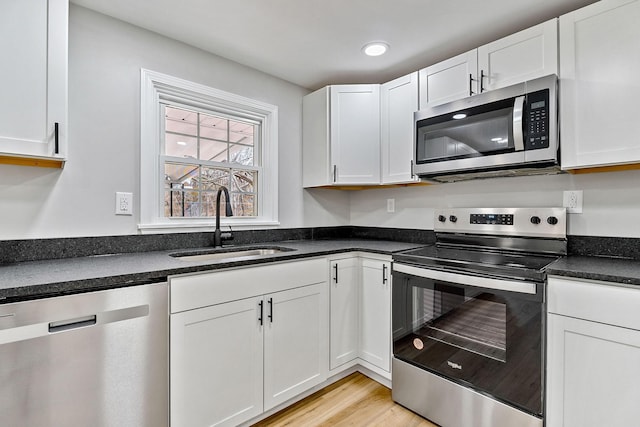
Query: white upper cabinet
[522,56]
[398,102]
[446,81]
[341,135]
[599,86]
[33,78]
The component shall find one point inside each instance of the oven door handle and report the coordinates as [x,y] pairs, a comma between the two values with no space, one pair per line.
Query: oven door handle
[463,279]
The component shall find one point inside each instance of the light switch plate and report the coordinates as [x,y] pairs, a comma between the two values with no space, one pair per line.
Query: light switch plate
[124,203]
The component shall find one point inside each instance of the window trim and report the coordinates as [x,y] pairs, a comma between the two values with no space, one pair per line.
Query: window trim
[156,88]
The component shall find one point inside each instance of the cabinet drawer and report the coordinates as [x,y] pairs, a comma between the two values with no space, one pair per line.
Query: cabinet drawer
[597,301]
[216,287]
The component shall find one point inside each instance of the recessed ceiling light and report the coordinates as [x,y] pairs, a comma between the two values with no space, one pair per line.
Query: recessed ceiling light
[375,48]
[459,116]
[181,143]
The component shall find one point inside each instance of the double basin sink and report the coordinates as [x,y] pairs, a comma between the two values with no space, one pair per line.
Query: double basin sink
[226,254]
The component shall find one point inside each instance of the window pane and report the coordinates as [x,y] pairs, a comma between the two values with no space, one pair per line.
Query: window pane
[209,204]
[181,121]
[243,181]
[213,150]
[213,127]
[173,203]
[191,203]
[181,146]
[239,131]
[241,154]
[243,204]
[185,175]
[213,178]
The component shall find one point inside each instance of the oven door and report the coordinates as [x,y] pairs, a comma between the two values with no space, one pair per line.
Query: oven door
[480,332]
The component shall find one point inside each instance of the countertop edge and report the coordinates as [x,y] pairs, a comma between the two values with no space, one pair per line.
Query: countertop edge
[99,282]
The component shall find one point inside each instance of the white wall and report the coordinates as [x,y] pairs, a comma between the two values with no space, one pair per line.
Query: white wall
[611,201]
[105,57]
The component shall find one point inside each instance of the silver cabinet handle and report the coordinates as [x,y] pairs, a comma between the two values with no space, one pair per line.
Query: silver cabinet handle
[518,135]
[335,173]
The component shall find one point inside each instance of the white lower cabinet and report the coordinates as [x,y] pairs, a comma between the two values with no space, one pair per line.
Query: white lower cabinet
[375,330]
[344,293]
[593,354]
[216,365]
[295,342]
[360,315]
[232,359]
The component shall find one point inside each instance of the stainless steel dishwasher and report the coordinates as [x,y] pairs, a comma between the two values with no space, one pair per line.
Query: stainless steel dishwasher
[92,359]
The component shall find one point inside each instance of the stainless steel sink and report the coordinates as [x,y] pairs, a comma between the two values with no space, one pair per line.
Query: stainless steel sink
[225,254]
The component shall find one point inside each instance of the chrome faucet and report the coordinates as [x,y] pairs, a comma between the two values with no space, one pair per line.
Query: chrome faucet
[218,236]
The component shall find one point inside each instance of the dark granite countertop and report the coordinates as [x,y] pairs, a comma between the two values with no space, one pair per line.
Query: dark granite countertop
[615,270]
[41,279]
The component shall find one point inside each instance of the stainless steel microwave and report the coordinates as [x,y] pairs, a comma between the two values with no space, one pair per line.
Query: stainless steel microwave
[508,131]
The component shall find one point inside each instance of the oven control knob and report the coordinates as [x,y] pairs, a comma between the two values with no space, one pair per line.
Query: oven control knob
[552,220]
[442,218]
[535,220]
[453,218]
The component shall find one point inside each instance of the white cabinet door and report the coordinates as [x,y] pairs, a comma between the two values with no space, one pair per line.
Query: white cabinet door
[344,314]
[593,372]
[296,342]
[33,77]
[599,63]
[375,334]
[341,136]
[355,134]
[216,364]
[316,150]
[522,56]
[398,102]
[449,80]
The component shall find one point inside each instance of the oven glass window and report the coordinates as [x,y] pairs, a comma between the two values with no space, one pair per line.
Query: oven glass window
[473,322]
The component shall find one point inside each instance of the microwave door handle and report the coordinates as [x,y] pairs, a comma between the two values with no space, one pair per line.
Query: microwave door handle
[518,135]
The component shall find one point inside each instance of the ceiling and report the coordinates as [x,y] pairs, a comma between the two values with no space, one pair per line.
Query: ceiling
[313,43]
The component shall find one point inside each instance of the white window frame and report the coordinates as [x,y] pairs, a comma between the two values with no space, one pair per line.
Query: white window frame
[156,88]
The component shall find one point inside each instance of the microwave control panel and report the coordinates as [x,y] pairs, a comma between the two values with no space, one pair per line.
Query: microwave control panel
[537,120]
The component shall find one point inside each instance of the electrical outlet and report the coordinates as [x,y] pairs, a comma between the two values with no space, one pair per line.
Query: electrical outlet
[391,205]
[572,200]
[124,203]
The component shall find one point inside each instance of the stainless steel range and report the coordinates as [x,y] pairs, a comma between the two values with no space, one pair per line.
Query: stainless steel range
[468,317]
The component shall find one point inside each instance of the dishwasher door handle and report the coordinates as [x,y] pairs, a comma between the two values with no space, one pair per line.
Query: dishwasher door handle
[65,325]
[35,330]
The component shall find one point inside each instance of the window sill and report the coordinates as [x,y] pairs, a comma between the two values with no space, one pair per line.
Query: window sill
[185,227]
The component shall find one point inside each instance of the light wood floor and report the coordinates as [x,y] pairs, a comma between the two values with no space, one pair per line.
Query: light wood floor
[353,401]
